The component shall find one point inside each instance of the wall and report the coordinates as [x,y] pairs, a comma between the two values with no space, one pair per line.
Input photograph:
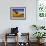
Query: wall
[24,25]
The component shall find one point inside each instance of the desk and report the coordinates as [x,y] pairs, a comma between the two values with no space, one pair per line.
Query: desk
[7,34]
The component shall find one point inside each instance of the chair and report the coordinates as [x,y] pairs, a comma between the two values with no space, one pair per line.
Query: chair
[26,37]
[14,32]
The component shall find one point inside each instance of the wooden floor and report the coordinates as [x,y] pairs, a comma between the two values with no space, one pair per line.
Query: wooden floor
[13,44]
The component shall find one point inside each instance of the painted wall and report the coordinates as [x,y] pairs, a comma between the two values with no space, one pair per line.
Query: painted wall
[24,25]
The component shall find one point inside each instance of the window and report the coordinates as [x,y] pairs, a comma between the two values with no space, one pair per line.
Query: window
[41,8]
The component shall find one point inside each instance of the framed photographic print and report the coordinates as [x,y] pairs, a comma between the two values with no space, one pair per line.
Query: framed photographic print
[17,13]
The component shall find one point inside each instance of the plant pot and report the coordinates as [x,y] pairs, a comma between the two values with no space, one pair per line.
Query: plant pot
[38,40]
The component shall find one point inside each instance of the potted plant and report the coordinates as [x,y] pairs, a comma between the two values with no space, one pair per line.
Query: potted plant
[38,27]
[39,35]
[35,26]
[42,27]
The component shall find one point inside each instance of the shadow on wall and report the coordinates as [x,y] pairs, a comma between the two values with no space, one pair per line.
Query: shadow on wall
[7,31]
